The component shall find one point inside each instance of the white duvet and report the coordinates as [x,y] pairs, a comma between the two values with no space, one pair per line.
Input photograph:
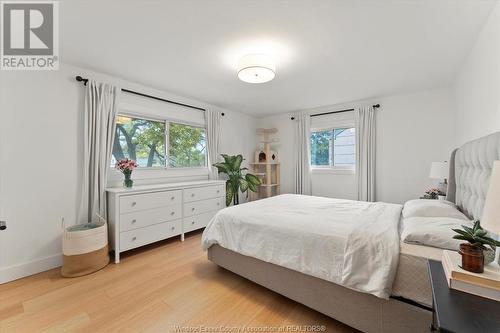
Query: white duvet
[351,243]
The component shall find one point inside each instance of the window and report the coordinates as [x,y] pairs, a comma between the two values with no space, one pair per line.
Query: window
[145,141]
[186,146]
[140,140]
[333,148]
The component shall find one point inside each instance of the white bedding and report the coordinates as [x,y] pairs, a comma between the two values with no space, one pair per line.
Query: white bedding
[351,243]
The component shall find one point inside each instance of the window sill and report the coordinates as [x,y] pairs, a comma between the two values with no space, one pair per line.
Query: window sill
[159,172]
[337,171]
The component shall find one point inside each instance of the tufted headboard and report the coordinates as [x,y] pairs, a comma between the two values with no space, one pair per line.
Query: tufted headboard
[470,170]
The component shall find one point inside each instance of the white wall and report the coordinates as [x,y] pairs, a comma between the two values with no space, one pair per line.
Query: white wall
[477,88]
[412,131]
[41,132]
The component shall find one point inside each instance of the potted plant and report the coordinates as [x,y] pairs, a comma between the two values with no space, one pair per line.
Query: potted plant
[433,193]
[237,180]
[473,251]
[126,166]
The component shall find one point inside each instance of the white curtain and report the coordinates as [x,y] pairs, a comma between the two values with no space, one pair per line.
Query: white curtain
[365,154]
[302,156]
[213,121]
[99,129]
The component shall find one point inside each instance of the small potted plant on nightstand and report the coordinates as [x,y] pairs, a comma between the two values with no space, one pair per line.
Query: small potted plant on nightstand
[432,193]
[473,252]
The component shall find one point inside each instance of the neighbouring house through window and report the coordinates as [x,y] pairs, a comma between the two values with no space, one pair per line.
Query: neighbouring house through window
[334,147]
[333,142]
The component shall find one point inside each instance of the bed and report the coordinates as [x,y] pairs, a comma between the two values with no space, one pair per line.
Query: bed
[357,272]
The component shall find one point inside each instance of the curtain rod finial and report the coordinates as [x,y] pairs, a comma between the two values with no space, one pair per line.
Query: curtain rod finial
[81,79]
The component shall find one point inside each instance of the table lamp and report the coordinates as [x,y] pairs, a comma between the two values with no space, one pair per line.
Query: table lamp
[439,170]
[490,220]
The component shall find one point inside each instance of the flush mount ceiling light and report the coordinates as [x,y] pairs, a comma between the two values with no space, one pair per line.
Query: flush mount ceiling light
[256,68]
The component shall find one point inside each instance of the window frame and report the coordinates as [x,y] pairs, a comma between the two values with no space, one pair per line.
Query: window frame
[335,169]
[167,122]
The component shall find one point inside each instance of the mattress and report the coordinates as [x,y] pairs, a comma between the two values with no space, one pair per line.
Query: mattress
[412,278]
[351,243]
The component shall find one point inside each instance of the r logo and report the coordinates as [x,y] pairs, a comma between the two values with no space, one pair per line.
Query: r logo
[28,29]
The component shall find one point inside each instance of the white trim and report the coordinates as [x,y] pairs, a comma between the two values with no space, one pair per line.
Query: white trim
[333,170]
[18,271]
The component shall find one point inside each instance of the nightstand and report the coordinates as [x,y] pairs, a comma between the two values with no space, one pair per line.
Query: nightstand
[456,311]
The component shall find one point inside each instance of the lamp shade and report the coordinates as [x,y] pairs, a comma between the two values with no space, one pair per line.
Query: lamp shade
[256,68]
[439,170]
[491,212]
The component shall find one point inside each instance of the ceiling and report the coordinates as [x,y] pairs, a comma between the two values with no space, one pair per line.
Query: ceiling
[326,52]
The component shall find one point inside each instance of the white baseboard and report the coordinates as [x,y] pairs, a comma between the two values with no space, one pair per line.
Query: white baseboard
[15,272]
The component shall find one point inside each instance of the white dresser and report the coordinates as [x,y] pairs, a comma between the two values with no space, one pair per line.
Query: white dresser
[148,213]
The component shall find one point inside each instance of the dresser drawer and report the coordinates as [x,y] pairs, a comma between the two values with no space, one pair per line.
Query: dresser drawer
[144,218]
[204,206]
[203,193]
[197,221]
[133,203]
[138,237]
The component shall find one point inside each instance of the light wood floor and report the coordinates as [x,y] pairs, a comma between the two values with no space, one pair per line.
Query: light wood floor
[151,290]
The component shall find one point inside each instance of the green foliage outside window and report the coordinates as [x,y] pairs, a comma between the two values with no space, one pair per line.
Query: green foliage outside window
[187,146]
[140,140]
[144,141]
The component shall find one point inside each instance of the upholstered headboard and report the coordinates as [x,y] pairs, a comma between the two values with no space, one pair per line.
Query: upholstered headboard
[470,170]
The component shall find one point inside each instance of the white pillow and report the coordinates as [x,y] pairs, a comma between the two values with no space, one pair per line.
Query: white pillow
[433,231]
[431,208]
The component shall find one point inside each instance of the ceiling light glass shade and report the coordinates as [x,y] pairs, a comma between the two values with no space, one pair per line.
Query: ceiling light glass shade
[256,68]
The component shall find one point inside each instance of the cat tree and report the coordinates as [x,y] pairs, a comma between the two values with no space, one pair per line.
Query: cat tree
[266,165]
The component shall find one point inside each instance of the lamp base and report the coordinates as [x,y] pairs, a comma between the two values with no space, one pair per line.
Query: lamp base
[443,187]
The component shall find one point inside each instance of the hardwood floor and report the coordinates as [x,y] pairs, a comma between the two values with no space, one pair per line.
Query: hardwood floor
[154,289]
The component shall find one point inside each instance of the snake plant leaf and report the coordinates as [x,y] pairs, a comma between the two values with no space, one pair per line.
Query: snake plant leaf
[461,232]
[468,229]
[461,237]
[481,232]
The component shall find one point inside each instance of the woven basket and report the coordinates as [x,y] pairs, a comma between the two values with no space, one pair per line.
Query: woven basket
[85,249]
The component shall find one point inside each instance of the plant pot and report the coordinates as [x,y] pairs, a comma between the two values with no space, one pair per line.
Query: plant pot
[128,182]
[472,258]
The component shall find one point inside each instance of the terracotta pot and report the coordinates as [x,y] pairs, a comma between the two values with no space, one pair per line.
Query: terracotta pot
[472,258]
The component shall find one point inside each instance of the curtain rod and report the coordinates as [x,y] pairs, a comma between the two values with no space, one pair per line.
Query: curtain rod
[81,79]
[339,111]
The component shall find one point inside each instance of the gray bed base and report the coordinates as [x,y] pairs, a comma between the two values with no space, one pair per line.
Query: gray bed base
[364,312]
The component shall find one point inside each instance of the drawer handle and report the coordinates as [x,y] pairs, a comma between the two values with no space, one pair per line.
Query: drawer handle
[218,191]
[192,222]
[134,238]
[218,204]
[173,228]
[172,213]
[134,203]
[192,194]
[192,209]
[172,198]
[133,221]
